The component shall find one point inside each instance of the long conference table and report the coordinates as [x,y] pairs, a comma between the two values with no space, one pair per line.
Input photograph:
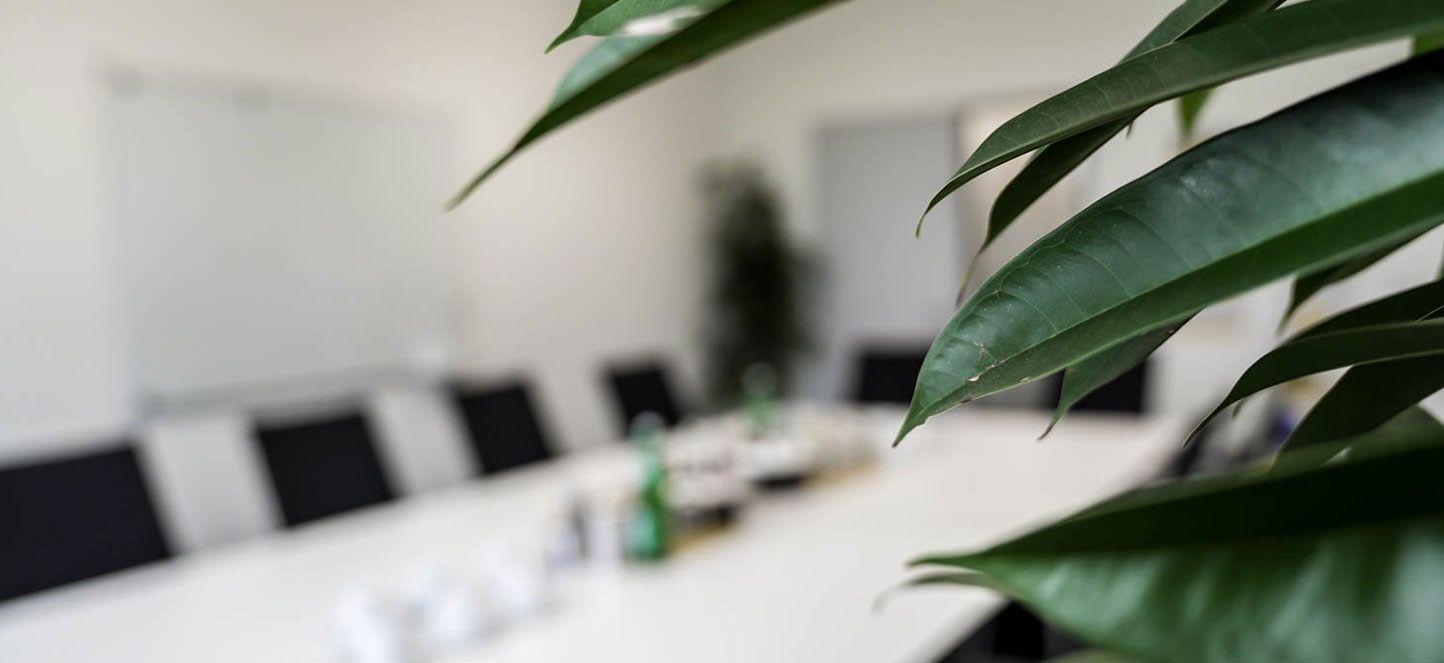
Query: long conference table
[795,579]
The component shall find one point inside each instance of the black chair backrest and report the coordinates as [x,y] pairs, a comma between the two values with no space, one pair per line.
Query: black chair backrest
[1124,394]
[323,467]
[503,425]
[1014,635]
[75,518]
[887,375]
[640,388]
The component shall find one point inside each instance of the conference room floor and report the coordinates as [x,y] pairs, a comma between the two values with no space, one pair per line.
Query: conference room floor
[795,579]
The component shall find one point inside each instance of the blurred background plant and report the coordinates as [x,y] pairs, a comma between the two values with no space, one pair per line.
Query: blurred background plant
[756,314]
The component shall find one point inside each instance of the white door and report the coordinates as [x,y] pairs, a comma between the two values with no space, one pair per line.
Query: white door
[881,286]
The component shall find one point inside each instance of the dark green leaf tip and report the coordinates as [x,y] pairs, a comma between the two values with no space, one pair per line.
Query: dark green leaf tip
[915,417]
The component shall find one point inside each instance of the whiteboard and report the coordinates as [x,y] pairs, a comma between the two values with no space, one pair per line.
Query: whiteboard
[270,240]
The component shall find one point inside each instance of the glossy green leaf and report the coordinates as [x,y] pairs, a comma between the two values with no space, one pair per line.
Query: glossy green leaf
[1087,376]
[621,64]
[1366,397]
[953,578]
[1336,176]
[1413,426]
[1416,303]
[1307,285]
[959,578]
[1246,46]
[1428,42]
[586,11]
[1042,172]
[1341,563]
[1317,353]
[975,579]
[1194,16]
[1190,107]
[605,18]
[1055,161]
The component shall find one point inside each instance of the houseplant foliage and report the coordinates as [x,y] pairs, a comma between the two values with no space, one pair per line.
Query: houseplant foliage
[754,314]
[1336,551]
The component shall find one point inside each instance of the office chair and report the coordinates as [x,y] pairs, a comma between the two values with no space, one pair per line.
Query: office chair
[887,375]
[644,387]
[74,518]
[323,467]
[502,424]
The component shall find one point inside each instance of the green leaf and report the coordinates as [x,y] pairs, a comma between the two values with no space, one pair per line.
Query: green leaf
[1087,376]
[1416,303]
[1317,353]
[954,578]
[1247,46]
[1055,161]
[1431,41]
[1411,427]
[1194,16]
[1190,106]
[605,18]
[1308,285]
[1041,173]
[1414,426]
[961,578]
[1341,563]
[586,10]
[621,64]
[1336,176]
[1366,397]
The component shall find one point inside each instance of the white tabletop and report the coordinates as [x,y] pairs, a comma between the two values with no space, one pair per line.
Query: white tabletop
[794,580]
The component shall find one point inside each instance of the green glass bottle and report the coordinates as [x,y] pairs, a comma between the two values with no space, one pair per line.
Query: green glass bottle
[759,399]
[649,531]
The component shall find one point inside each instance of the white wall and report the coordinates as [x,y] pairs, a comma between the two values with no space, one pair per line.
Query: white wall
[585,248]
